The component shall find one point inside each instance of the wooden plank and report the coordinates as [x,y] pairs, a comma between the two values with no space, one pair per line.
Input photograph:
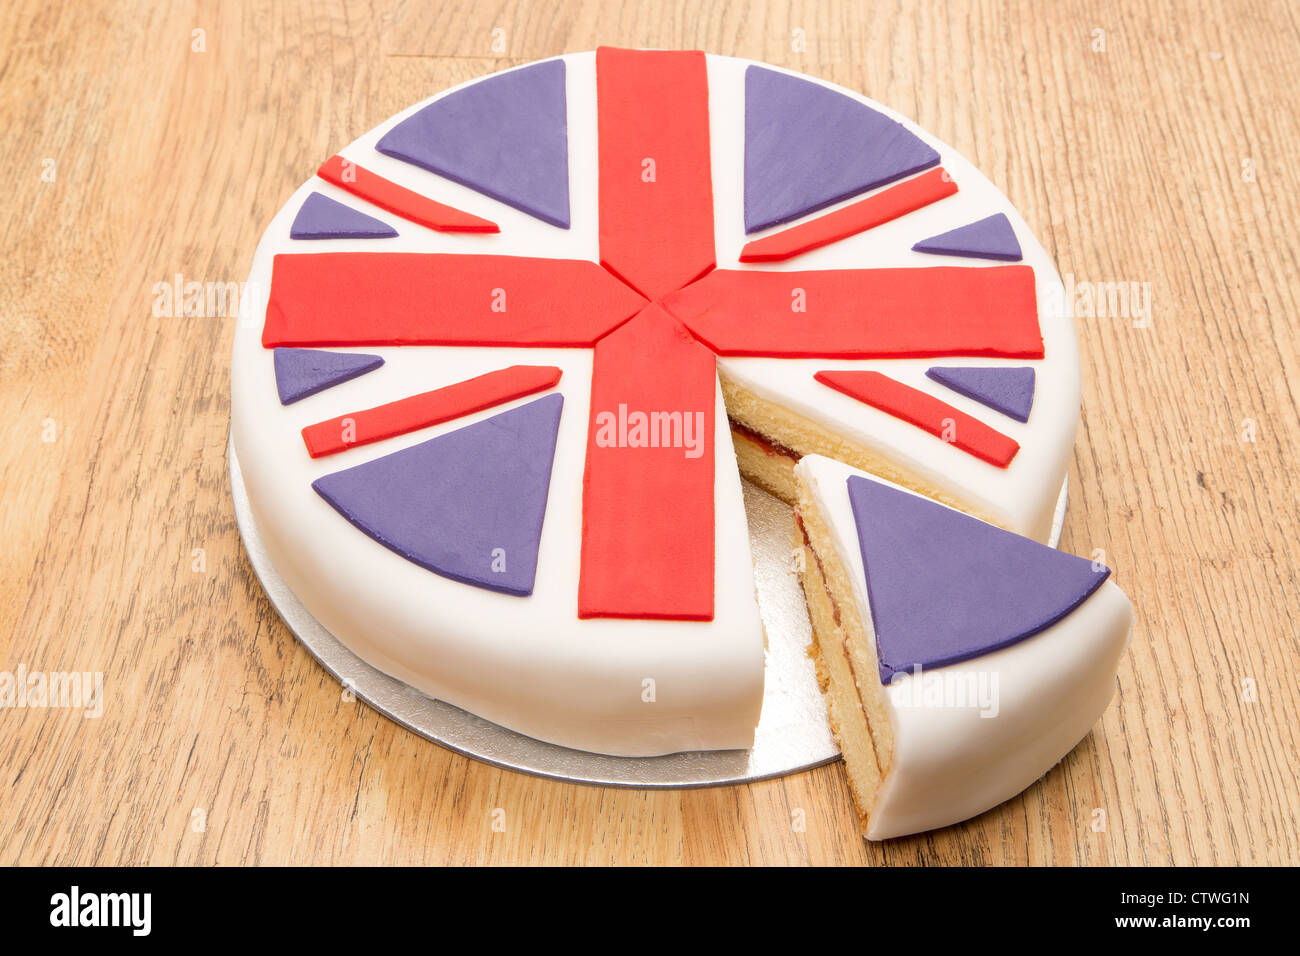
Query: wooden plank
[1127,162]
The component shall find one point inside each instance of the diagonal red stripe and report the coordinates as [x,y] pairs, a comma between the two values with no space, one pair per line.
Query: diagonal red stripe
[865,313]
[399,200]
[414,298]
[868,213]
[427,408]
[656,185]
[647,494]
[925,412]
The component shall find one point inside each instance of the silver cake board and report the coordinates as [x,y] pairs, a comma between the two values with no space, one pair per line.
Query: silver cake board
[792,734]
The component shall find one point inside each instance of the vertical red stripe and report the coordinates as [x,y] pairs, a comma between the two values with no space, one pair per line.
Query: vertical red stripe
[647,512]
[656,185]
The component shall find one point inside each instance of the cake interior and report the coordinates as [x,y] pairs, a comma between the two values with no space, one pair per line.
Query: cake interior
[845,653]
[770,439]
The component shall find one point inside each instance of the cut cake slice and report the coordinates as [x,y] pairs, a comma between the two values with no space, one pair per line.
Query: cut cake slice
[977,663]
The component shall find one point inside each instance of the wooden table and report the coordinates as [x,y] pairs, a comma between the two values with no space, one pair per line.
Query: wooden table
[1150,143]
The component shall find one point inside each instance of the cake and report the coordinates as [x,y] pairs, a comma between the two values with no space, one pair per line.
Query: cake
[960,661]
[505,358]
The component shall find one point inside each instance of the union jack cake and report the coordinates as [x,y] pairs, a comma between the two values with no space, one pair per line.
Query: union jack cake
[510,354]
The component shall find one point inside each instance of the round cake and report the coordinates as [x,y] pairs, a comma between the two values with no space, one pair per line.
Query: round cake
[509,354]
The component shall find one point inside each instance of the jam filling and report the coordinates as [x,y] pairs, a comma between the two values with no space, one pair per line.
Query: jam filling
[769,446]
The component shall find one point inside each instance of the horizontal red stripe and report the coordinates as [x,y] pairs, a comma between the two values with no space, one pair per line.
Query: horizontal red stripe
[865,313]
[926,412]
[428,408]
[859,217]
[417,298]
[399,200]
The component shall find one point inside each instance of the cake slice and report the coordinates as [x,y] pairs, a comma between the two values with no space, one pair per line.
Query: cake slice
[960,662]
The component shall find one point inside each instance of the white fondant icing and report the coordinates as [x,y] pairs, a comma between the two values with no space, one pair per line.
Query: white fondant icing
[529,663]
[1032,701]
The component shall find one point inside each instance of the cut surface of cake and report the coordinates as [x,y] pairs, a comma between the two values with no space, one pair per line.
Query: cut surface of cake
[493,353]
[960,662]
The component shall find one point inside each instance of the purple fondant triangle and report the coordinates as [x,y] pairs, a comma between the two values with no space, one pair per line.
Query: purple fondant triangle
[1006,390]
[467,505]
[303,372]
[807,147]
[945,587]
[323,218]
[505,136]
[990,238]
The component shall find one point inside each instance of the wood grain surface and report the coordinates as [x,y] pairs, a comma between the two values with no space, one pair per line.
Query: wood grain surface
[1158,152]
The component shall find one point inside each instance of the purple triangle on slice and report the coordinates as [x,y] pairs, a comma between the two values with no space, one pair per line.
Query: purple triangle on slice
[807,147]
[303,372]
[506,137]
[990,238]
[323,218]
[467,505]
[945,587]
[1006,390]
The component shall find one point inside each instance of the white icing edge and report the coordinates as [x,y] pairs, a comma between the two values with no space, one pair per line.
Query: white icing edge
[949,763]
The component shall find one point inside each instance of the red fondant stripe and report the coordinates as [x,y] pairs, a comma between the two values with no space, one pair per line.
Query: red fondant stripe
[867,214]
[647,494]
[656,187]
[926,412]
[865,313]
[414,298]
[428,408]
[399,200]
